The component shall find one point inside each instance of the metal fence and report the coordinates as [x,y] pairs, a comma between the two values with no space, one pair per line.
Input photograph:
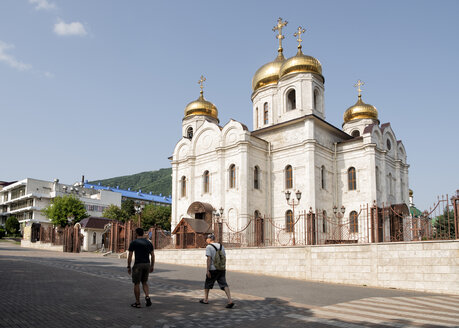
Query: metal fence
[371,224]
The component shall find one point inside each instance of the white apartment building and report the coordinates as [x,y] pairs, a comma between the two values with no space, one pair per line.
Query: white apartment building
[25,199]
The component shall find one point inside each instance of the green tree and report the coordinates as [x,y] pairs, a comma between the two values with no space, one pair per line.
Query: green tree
[113,212]
[62,208]
[128,206]
[444,225]
[156,215]
[12,225]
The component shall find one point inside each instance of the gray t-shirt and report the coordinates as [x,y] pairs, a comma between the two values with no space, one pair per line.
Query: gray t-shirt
[210,251]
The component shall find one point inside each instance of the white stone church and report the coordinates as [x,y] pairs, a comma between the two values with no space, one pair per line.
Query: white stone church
[291,147]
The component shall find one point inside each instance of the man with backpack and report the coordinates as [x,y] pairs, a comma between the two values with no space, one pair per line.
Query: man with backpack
[216,270]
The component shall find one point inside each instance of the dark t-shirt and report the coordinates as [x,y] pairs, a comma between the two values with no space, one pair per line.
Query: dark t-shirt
[142,249]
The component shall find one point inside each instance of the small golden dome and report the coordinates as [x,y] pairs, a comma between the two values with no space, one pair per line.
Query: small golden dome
[360,110]
[268,73]
[300,63]
[201,107]
[411,192]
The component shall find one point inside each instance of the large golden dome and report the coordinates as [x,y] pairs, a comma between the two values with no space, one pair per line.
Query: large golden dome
[268,73]
[300,63]
[201,107]
[360,110]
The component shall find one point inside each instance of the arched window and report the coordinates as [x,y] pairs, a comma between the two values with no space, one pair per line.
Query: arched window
[389,146]
[205,181]
[265,113]
[322,176]
[351,179]
[183,182]
[232,176]
[355,133]
[353,222]
[324,221]
[291,100]
[256,117]
[316,99]
[289,221]
[288,177]
[189,133]
[377,178]
[256,178]
[94,238]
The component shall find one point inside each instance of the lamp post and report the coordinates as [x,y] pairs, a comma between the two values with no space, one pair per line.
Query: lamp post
[339,215]
[138,211]
[292,203]
[218,224]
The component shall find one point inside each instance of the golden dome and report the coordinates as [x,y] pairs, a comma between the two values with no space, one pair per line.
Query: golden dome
[268,73]
[360,110]
[201,107]
[300,63]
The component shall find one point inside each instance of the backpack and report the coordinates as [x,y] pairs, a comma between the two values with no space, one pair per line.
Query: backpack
[220,259]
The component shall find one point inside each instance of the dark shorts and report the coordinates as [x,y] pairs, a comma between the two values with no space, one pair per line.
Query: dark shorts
[140,272]
[219,277]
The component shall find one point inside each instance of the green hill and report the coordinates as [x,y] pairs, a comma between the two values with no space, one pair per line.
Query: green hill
[158,182]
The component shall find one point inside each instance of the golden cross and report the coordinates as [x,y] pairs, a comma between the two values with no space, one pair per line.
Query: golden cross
[278,27]
[201,82]
[358,85]
[298,34]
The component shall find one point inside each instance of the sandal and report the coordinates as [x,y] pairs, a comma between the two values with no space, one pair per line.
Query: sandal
[136,305]
[203,302]
[229,305]
[147,301]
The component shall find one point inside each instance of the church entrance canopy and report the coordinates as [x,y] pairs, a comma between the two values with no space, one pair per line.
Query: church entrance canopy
[201,211]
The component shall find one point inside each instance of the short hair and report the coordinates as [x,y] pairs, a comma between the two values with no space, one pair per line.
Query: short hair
[211,236]
[139,232]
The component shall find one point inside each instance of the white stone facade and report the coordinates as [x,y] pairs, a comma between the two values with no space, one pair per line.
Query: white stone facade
[292,134]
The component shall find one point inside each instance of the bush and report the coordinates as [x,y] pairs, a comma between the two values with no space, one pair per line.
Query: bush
[12,225]
[2,232]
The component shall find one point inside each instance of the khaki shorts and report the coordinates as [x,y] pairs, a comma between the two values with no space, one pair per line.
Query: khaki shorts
[140,272]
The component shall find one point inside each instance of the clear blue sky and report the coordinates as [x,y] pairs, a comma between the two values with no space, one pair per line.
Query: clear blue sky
[99,87]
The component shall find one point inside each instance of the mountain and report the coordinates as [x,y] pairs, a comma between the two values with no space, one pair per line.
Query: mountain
[158,182]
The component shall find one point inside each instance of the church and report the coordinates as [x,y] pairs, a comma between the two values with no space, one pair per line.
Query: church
[292,160]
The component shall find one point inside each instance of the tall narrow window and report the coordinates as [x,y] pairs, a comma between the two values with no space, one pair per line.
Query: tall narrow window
[232,176]
[189,133]
[353,222]
[377,178]
[183,181]
[324,221]
[289,221]
[265,113]
[291,100]
[351,178]
[256,178]
[316,99]
[288,177]
[94,237]
[256,118]
[322,176]
[205,179]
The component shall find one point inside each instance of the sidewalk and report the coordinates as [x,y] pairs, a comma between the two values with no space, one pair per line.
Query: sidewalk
[48,289]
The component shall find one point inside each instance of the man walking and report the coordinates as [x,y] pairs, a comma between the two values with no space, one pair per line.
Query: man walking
[143,249]
[214,273]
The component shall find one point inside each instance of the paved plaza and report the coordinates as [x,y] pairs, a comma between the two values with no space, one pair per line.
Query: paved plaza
[51,289]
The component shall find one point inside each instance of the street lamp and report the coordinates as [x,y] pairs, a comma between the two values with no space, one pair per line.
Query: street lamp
[138,211]
[292,203]
[341,214]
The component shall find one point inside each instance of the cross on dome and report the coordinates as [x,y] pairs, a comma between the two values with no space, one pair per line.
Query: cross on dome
[280,25]
[358,85]
[300,31]
[201,82]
